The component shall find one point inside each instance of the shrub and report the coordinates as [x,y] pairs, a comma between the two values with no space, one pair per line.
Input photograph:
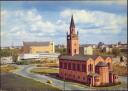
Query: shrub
[120,70]
[22,63]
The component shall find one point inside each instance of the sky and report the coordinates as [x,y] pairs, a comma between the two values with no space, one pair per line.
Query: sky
[96,21]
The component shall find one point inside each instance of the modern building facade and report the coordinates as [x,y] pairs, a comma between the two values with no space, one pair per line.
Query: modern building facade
[93,70]
[86,50]
[38,47]
[39,56]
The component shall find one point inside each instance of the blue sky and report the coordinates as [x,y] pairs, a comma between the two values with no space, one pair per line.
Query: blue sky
[49,21]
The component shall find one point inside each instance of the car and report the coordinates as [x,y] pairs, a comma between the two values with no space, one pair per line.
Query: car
[49,81]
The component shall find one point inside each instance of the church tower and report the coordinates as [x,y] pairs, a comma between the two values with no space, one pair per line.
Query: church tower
[72,40]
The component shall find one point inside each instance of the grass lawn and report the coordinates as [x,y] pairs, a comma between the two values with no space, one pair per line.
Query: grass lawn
[45,70]
[48,65]
[13,82]
[7,68]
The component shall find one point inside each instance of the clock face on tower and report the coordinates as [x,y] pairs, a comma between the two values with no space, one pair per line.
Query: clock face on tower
[68,37]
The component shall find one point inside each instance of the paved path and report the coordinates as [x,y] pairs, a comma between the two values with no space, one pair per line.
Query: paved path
[25,71]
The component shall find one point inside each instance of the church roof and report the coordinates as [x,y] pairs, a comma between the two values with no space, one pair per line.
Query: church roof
[72,24]
[36,43]
[80,57]
[102,64]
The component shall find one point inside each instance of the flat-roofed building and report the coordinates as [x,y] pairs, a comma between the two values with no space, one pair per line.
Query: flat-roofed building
[38,47]
[86,50]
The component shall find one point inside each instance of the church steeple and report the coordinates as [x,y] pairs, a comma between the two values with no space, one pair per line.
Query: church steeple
[72,25]
[72,40]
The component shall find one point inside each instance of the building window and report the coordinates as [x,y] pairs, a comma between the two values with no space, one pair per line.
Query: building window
[109,65]
[65,65]
[69,66]
[75,51]
[74,66]
[78,77]
[83,78]
[78,67]
[83,68]
[60,64]
[89,80]
[65,74]
[90,68]
[69,75]
[74,76]
[97,70]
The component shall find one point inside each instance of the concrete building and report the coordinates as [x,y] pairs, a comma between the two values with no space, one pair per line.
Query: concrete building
[39,56]
[107,49]
[38,47]
[94,70]
[6,60]
[86,50]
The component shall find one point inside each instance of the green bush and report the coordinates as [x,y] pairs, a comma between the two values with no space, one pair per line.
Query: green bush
[23,62]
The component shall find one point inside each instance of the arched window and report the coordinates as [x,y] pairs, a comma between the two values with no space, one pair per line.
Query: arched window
[96,69]
[74,66]
[75,51]
[83,68]
[69,66]
[109,66]
[65,65]
[78,67]
[90,67]
[60,65]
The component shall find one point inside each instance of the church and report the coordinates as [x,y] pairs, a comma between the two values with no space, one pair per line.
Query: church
[94,70]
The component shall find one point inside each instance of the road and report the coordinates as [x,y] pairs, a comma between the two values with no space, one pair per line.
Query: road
[25,71]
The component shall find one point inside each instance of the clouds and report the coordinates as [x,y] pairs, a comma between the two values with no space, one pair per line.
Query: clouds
[109,2]
[32,25]
[29,25]
[99,21]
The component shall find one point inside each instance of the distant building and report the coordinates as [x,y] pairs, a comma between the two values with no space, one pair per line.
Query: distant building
[86,50]
[28,56]
[16,47]
[93,70]
[12,47]
[38,47]
[59,46]
[6,60]
[100,45]
[39,56]
[107,49]
[123,48]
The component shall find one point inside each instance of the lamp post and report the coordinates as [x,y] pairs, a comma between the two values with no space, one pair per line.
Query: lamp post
[64,82]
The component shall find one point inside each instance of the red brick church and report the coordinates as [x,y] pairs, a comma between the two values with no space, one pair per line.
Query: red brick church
[93,70]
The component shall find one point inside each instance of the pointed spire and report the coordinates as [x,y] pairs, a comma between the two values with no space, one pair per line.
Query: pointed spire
[72,25]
